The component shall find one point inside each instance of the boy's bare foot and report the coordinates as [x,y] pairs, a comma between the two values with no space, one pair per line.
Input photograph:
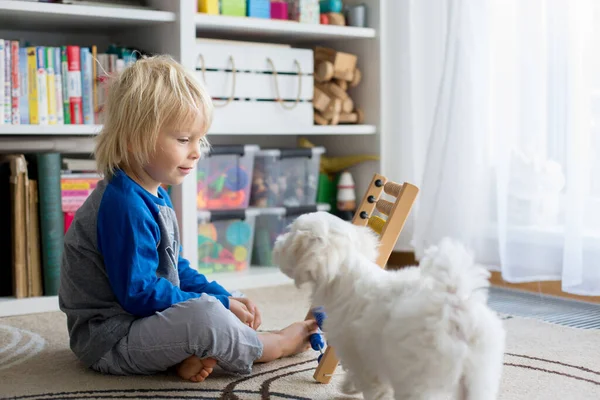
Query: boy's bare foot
[289,341]
[195,369]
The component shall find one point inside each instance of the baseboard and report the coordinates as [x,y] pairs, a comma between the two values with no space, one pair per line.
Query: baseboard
[399,259]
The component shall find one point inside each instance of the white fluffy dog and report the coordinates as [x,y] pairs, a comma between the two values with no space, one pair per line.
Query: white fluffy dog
[417,333]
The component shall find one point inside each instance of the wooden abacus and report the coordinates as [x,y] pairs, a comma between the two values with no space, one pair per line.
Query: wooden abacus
[388,229]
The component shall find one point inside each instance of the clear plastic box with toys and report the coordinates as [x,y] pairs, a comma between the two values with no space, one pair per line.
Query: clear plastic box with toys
[270,223]
[286,177]
[224,175]
[225,239]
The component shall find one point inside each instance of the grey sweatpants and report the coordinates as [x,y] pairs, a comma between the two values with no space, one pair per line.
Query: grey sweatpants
[202,326]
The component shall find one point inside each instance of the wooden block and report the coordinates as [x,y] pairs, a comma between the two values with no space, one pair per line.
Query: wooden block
[341,83]
[346,75]
[348,118]
[347,105]
[336,19]
[344,64]
[334,108]
[360,115]
[356,77]
[323,71]
[320,99]
[319,120]
[337,91]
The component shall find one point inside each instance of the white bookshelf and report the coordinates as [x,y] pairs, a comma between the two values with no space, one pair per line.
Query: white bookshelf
[285,31]
[171,27]
[17,14]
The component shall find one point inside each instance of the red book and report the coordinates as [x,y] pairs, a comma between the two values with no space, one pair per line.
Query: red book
[74,82]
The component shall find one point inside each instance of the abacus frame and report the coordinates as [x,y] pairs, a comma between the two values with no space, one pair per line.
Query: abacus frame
[397,213]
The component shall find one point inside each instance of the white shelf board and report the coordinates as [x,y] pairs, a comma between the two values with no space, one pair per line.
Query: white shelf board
[346,129]
[289,31]
[55,130]
[30,15]
[30,305]
[252,278]
[76,130]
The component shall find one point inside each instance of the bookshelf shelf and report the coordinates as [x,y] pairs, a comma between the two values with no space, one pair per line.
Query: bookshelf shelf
[87,130]
[290,31]
[313,130]
[54,130]
[253,278]
[37,16]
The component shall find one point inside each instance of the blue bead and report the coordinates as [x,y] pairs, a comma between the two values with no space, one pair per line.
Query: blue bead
[320,316]
[319,358]
[316,341]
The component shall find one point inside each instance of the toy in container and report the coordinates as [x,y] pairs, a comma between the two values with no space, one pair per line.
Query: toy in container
[225,240]
[285,177]
[259,8]
[208,6]
[279,10]
[272,222]
[235,8]
[224,176]
[305,11]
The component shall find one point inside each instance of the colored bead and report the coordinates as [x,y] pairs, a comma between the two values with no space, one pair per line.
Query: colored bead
[316,341]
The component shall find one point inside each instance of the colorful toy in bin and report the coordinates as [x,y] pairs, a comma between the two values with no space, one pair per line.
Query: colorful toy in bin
[224,177]
[285,177]
[225,240]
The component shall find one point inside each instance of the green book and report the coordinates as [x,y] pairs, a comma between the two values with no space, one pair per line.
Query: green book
[51,219]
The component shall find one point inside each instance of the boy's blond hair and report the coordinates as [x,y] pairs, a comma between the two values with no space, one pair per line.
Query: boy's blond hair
[148,96]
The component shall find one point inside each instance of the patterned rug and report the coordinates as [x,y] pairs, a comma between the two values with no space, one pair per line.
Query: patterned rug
[543,361]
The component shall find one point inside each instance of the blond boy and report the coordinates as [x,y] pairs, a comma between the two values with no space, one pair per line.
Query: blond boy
[133,304]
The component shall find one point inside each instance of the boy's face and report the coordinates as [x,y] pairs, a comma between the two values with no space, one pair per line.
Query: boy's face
[177,152]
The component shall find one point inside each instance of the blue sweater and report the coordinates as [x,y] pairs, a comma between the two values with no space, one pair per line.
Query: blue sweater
[121,261]
[138,239]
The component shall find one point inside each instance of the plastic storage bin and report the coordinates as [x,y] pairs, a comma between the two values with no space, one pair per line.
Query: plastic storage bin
[224,177]
[225,240]
[286,177]
[270,223]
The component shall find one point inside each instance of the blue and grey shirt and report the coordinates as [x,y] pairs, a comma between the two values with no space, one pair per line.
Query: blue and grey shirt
[121,261]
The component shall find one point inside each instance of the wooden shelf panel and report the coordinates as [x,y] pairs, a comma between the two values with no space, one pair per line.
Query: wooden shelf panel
[280,30]
[19,15]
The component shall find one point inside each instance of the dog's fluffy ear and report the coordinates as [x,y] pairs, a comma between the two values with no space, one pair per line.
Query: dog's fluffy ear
[308,257]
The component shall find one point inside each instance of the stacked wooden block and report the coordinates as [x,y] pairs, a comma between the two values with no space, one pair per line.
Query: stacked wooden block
[334,73]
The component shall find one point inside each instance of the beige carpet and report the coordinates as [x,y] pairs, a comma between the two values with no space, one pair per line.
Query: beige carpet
[543,361]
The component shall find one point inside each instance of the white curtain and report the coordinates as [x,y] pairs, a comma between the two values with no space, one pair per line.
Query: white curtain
[506,153]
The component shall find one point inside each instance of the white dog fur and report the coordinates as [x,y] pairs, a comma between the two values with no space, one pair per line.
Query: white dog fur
[416,333]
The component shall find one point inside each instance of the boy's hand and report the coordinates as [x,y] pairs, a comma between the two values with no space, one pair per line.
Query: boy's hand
[246,311]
